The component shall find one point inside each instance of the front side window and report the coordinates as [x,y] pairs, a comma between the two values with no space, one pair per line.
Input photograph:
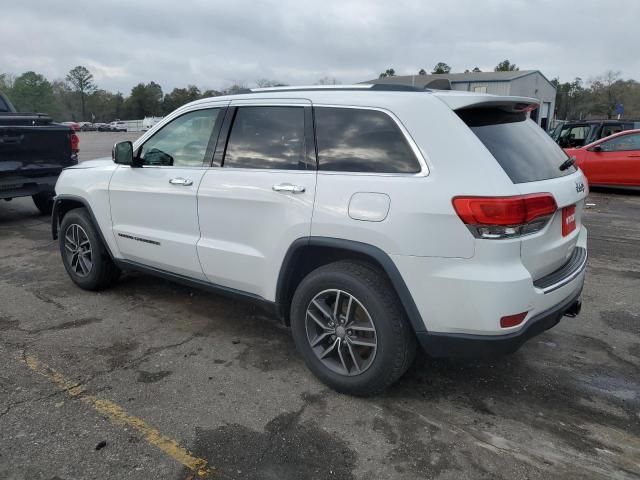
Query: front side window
[572,137]
[182,142]
[359,140]
[610,130]
[622,143]
[268,138]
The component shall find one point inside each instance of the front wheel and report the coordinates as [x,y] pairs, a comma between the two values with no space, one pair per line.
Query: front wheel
[83,254]
[350,328]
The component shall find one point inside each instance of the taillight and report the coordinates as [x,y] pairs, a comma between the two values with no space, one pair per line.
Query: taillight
[505,217]
[75,143]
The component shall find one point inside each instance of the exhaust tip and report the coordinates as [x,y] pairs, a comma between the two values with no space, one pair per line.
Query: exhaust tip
[574,309]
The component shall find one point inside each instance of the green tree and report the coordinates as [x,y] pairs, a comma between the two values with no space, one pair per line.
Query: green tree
[389,72]
[104,106]
[476,69]
[422,71]
[210,93]
[32,92]
[506,66]
[179,97]
[144,101]
[81,81]
[441,67]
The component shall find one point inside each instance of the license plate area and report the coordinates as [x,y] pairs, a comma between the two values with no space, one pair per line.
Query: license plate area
[568,220]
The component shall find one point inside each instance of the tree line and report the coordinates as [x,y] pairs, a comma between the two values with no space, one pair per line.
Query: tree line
[77,97]
[601,97]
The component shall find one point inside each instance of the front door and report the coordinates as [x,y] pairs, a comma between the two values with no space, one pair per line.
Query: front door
[258,198]
[616,163]
[154,207]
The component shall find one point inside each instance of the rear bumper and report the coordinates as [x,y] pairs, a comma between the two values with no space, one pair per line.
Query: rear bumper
[459,345]
[11,187]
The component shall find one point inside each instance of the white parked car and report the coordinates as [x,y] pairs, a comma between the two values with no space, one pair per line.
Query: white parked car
[368,218]
[118,126]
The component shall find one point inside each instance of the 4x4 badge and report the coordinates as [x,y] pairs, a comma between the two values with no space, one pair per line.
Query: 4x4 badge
[579,187]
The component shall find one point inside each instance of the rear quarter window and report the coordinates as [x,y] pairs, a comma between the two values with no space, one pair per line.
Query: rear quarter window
[361,140]
[523,150]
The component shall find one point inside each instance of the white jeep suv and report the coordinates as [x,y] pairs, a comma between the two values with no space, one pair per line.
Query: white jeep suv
[368,218]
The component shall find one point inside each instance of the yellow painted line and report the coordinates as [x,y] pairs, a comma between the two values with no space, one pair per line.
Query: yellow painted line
[119,416]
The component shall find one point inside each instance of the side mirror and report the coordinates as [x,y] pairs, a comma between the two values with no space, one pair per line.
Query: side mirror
[596,148]
[122,153]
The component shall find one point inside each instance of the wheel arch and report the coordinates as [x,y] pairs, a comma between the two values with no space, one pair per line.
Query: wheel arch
[62,204]
[307,254]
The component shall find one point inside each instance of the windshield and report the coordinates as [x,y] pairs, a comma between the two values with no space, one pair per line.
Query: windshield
[524,151]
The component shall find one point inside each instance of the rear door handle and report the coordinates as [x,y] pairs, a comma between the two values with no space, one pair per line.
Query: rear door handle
[288,187]
[185,182]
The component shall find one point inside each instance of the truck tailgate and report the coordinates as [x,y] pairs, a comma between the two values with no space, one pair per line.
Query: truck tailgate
[33,151]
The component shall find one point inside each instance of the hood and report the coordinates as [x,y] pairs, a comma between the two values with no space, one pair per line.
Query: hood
[99,162]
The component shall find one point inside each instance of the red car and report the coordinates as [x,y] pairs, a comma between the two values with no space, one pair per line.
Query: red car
[614,160]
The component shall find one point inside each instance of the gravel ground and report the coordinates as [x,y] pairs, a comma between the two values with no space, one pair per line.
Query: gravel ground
[138,381]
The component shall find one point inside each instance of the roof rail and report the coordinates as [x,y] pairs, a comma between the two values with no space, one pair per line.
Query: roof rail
[378,87]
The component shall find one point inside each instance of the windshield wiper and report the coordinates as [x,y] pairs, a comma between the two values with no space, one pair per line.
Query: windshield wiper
[569,162]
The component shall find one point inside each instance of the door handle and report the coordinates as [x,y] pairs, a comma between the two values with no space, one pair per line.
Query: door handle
[288,187]
[181,181]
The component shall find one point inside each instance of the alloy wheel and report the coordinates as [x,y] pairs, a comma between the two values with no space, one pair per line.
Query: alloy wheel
[78,250]
[341,332]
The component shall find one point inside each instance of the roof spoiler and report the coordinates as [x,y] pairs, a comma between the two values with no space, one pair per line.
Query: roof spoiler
[506,103]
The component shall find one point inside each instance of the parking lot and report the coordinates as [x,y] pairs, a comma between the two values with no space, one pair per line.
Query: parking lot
[154,380]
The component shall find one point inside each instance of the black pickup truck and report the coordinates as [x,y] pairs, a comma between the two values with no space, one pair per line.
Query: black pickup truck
[33,152]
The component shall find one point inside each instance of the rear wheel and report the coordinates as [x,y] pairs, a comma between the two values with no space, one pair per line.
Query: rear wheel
[349,327]
[44,202]
[83,254]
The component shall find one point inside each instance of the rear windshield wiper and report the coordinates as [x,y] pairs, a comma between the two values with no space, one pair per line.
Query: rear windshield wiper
[569,162]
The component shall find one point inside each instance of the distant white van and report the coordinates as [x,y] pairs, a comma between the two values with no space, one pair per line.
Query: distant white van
[149,122]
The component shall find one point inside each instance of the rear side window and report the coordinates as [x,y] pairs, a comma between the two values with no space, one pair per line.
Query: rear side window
[359,140]
[267,137]
[524,151]
[3,105]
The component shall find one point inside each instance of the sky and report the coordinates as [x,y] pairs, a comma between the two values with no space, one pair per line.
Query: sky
[214,44]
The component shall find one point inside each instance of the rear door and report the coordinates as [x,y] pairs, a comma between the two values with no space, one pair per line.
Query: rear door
[258,197]
[154,207]
[532,160]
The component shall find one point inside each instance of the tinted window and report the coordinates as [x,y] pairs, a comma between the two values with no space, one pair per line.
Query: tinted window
[267,137]
[353,140]
[621,144]
[524,151]
[3,105]
[183,142]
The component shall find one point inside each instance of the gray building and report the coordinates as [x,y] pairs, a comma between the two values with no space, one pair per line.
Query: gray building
[525,83]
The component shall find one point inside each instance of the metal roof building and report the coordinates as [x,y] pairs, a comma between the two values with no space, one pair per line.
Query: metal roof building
[525,83]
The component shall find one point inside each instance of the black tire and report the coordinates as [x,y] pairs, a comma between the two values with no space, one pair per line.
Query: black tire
[103,272]
[44,202]
[396,342]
